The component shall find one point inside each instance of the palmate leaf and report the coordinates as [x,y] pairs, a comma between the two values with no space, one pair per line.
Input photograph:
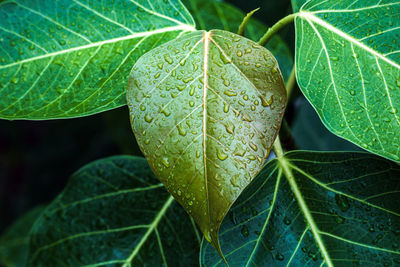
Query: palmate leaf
[62,59]
[205,109]
[215,14]
[348,214]
[348,67]
[114,212]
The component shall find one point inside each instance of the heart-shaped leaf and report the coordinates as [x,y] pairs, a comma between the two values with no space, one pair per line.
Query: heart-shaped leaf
[114,212]
[348,67]
[349,214]
[71,58]
[205,110]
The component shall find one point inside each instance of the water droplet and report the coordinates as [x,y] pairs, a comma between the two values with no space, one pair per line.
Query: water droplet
[181,130]
[168,59]
[142,107]
[334,58]
[230,127]
[230,93]
[245,231]
[179,192]
[339,219]
[147,141]
[264,102]
[287,221]
[239,54]
[342,202]
[279,257]
[14,80]
[226,107]
[352,92]
[148,118]
[221,155]
[253,146]
[226,82]
[191,103]
[165,162]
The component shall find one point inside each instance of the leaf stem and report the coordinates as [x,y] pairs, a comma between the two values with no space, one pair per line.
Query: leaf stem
[291,83]
[246,19]
[275,28]
[287,171]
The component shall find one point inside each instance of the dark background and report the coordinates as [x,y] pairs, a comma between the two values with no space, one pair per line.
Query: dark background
[37,157]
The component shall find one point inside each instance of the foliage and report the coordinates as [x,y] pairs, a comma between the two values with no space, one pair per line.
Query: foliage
[206,107]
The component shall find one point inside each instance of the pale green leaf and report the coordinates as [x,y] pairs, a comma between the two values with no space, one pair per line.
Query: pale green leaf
[205,109]
[347,65]
[14,242]
[348,214]
[114,212]
[215,14]
[63,59]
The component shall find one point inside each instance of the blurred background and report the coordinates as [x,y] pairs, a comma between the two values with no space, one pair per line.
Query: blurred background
[38,157]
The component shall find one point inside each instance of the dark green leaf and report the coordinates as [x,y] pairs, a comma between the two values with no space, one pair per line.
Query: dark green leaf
[348,67]
[214,14]
[63,59]
[114,212]
[14,243]
[348,214]
[205,110]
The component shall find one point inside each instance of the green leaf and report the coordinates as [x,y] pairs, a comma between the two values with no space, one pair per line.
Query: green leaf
[14,243]
[336,209]
[63,59]
[347,65]
[297,4]
[205,109]
[214,14]
[114,212]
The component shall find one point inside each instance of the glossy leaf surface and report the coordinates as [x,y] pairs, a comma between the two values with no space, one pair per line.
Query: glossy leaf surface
[214,14]
[205,110]
[14,242]
[114,212]
[350,200]
[62,59]
[348,67]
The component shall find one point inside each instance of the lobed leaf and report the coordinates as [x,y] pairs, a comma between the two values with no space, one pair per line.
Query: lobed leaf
[205,109]
[349,214]
[63,59]
[114,212]
[348,67]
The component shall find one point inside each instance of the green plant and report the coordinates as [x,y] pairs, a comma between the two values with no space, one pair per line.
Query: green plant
[206,108]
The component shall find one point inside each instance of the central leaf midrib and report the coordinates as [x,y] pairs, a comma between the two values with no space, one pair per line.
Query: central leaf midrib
[206,43]
[287,170]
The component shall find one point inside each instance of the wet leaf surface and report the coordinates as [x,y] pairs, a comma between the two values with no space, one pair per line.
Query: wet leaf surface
[351,200]
[205,110]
